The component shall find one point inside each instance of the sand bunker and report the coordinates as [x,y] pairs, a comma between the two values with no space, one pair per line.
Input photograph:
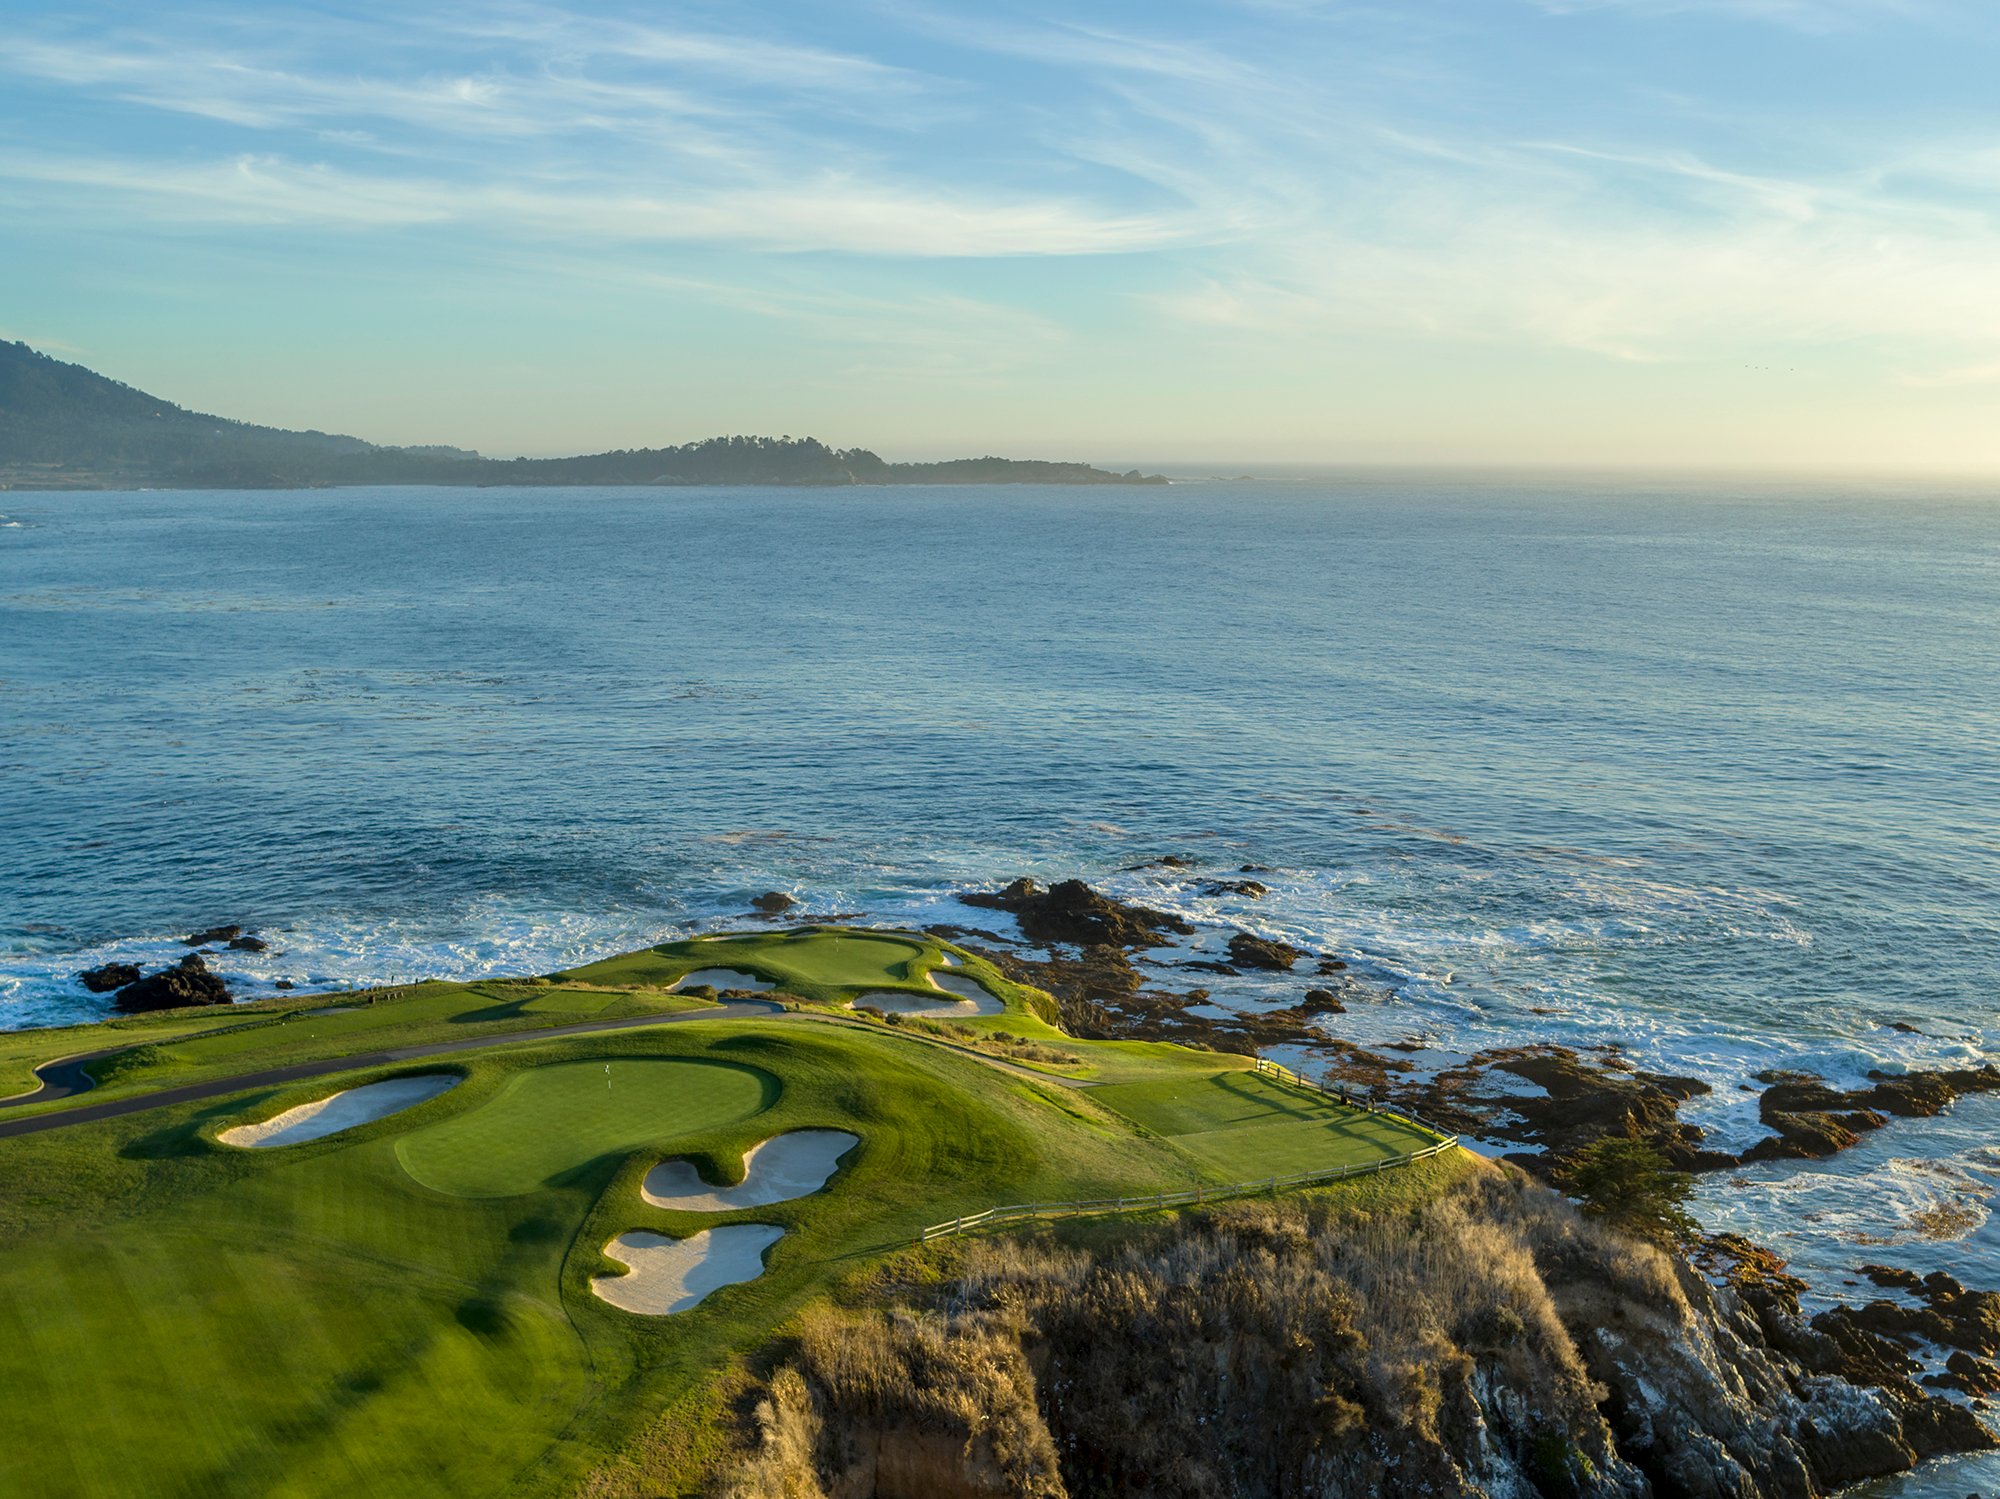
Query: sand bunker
[329,1116]
[982,1001]
[720,978]
[975,1001]
[670,1275]
[952,960]
[783,1167]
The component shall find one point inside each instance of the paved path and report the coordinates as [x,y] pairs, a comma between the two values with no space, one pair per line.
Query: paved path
[63,1079]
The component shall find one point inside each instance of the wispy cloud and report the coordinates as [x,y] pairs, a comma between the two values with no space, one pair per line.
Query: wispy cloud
[1803,15]
[828,212]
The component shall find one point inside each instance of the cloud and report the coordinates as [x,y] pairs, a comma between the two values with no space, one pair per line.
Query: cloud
[830,212]
[1802,15]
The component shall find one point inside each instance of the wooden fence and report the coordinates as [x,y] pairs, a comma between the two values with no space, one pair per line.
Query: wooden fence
[1025,1212]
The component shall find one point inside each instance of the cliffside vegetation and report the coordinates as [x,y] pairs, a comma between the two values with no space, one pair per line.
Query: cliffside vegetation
[1483,1338]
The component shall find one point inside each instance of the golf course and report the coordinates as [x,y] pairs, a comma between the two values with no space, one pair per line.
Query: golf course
[512,1237]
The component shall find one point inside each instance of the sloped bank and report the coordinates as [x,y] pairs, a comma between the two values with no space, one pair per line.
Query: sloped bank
[1489,1342]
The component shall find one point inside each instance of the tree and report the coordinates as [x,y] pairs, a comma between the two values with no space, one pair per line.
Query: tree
[1629,1183]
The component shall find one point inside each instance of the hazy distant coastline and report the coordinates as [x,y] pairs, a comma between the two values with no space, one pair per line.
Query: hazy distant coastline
[64,427]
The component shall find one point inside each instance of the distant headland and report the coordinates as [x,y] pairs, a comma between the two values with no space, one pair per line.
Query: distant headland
[66,427]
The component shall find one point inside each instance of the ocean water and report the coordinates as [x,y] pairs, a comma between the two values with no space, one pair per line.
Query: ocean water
[1711,770]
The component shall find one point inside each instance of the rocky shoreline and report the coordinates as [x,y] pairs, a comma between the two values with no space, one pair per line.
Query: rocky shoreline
[1551,1103]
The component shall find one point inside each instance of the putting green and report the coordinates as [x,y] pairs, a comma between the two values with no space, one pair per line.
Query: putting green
[548,1121]
[817,959]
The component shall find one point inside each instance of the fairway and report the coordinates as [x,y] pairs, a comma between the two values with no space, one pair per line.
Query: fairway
[548,1121]
[1246,1126]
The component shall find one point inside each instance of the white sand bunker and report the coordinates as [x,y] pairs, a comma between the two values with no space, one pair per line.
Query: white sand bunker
[783,1167]
[665,1275]
[720,978]
[329,1116]
[983,1002]
[976,1001]
[952,960]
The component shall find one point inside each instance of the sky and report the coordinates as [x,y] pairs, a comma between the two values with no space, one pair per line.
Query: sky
[1703,234]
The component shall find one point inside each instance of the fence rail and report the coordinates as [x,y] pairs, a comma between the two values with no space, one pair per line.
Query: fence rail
[1024,1212]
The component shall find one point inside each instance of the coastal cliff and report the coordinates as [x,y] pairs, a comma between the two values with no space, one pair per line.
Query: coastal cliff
[1489,1341]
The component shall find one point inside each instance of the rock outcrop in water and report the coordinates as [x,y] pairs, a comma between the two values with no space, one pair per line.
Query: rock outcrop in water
[111,976]
[188,982]
[1249,951]
[1489,1342]
[1074,915]
[1812,1118]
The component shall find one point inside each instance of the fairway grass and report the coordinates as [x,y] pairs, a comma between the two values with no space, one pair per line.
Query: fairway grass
[414,1305]
[546,1123]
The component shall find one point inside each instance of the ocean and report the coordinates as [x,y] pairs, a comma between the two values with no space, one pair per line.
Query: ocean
[1709,769]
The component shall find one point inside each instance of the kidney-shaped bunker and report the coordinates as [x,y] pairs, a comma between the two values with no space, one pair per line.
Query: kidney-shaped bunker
[339,1111]
[781,1168]
[666,1275]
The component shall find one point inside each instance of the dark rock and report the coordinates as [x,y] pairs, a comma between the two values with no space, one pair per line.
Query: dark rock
[1889,1275]
[249,944]
[1323,1002]
[1165,861]
[773,903]
[188,982]
[213,934]
[1247,951]
[284,984]
[1075,915]
[1813,1119]
[110,976]
[959,933]
[1968,1375]
[1803,1137]
[1253,889]
[1905,1027]
[1207,965]
[1330,966]
[1583,1101]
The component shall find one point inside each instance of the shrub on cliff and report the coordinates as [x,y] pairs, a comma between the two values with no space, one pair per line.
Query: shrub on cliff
[1630,1184]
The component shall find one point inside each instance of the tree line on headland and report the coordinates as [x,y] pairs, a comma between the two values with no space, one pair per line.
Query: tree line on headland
[66,427]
